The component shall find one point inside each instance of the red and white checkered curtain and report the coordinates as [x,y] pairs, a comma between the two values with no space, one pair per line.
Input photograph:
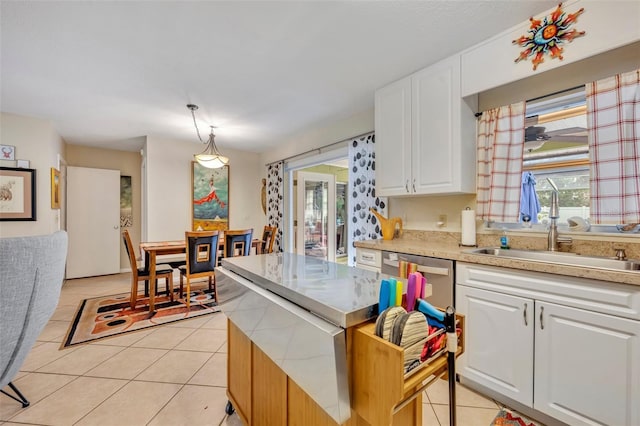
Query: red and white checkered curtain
[500,151]
[613,121]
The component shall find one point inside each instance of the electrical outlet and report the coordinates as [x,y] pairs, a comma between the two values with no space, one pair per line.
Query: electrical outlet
[442,220]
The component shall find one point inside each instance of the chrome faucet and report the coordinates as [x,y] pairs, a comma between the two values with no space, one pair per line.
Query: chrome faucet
[554,214]
[552,238]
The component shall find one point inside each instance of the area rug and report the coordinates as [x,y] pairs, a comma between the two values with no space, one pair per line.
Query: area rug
[505,418]
[108,316]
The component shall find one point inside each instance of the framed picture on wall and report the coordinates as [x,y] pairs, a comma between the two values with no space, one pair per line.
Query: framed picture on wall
[126,209]
[17,194]
[55,188]
[7,152]
[209,198]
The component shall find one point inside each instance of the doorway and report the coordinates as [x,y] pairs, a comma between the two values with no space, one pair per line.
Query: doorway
[316,210]
[315,215]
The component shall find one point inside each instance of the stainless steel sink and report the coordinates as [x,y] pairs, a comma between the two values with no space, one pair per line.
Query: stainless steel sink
[571,259]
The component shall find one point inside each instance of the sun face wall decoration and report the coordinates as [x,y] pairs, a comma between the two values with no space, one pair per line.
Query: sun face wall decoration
[545,36]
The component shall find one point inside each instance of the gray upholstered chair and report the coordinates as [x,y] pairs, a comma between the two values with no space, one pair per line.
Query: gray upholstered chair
[32,271]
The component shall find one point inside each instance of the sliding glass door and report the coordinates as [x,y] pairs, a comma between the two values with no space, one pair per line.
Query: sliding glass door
[316,215]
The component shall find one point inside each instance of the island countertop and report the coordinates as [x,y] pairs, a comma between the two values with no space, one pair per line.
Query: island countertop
[343,295]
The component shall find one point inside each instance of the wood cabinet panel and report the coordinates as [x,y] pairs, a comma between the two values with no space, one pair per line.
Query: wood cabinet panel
[269,391]
[262,394]
[239,356]
[303,410]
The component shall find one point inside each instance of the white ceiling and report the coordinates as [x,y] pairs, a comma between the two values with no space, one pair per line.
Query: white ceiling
[108,71]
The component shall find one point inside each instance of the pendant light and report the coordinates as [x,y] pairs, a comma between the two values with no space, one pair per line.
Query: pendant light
[210,157]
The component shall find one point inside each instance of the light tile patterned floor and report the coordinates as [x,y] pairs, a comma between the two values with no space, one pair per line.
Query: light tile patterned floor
[169,375]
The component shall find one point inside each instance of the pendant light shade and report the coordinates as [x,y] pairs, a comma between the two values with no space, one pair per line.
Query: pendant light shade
[210,157]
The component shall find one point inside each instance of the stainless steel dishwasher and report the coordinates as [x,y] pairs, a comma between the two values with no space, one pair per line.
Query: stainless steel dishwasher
[438,272]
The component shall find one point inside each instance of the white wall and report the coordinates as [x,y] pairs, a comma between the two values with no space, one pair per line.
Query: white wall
[416,212]
[37,141]
[607,25]
[320,135]
[168,188]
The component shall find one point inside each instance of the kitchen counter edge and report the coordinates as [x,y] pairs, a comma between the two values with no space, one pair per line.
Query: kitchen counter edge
[457,253]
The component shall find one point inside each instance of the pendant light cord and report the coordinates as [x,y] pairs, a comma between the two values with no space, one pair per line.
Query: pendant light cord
[193,114]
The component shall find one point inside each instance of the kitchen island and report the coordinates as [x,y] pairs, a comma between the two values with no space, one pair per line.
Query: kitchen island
[302,349]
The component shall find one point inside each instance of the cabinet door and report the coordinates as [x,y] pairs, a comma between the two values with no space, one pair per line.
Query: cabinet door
[435,156]
[587,368]
[498,342]
[393,138]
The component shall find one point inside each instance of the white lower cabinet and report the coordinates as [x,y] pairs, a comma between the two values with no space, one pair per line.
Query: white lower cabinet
[586,366]
[499,328]
[576,365]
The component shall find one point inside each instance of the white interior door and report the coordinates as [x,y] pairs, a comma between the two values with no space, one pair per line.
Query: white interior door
[316,215]
[93,222]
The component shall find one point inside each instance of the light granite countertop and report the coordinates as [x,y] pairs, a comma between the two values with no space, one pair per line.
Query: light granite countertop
[445,246]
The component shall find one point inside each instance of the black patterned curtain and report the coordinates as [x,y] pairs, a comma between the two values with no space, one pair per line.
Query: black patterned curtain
[362,194]
[275,200]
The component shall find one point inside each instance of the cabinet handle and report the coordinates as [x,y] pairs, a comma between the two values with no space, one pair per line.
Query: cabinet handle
[524,314]
[541,321]
[413,184]
[406,185]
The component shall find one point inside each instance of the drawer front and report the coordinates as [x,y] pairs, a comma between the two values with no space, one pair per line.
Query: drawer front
[371,258]
[598,296]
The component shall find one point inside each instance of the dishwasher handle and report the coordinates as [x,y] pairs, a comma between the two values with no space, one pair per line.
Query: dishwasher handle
[421,268]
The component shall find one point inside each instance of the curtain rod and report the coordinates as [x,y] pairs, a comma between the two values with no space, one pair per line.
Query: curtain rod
[320,149]
[559,92]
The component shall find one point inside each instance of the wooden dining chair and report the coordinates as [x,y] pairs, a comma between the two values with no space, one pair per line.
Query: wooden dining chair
[237,242]
[142,274]
[202,258]
[268,238]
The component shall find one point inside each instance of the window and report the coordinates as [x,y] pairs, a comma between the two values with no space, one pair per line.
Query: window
[556,149]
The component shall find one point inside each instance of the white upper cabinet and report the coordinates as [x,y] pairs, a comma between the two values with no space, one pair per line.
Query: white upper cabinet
[393,138]
[425,134]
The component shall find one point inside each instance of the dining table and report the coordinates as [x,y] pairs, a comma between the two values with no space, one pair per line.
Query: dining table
[158,248]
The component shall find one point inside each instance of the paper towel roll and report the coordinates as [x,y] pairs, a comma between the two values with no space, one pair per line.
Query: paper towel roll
[468,228]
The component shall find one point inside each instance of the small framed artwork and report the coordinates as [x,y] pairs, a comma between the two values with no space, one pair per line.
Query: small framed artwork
[22,164]
[55,188]
[210,198]
[7,152]
[17,194]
